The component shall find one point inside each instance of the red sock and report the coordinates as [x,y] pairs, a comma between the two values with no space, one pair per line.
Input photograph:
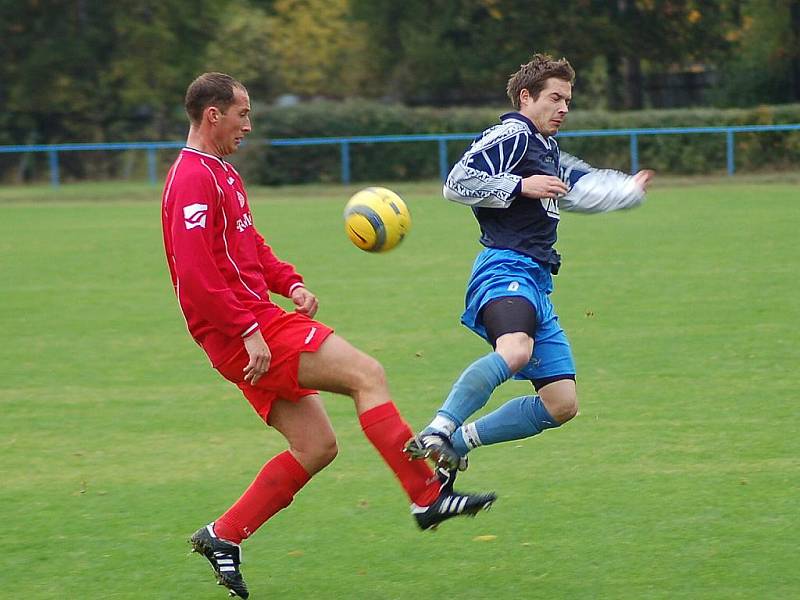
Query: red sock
[388,432]
[272,489]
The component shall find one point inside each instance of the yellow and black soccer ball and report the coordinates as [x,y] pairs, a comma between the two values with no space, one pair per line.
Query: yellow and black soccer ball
[376,219]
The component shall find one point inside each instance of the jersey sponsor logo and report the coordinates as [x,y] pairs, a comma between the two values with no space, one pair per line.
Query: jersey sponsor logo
[244,222]
[240,198]
[513,286]
[230,180]
[194,215]
[550,206]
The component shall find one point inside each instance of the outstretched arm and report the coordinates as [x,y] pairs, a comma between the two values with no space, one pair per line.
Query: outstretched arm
[600,190]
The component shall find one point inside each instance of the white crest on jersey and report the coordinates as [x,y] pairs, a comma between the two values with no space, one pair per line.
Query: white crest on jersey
[194,215]
[240,197]
[231,180]
[550,205]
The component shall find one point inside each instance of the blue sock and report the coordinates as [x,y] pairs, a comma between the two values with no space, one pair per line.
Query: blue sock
[517,419]
[473,388]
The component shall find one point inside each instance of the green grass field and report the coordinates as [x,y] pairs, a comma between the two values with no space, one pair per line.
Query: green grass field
[680,477]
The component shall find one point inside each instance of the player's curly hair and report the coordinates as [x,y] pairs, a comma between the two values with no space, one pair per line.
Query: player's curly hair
[533,75]
[209,89]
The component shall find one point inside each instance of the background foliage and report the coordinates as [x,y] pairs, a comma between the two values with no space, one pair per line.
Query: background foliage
[88,70]
[416,160]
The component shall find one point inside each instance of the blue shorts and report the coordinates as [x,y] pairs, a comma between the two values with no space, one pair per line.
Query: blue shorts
[502,273]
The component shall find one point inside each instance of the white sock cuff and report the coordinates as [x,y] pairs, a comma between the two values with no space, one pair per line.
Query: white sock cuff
[471,437]
[443,424]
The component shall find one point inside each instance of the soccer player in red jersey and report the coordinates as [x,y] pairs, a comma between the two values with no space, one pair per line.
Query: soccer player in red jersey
[223,273]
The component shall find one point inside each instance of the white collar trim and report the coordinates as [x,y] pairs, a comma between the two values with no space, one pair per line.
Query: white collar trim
[217,158]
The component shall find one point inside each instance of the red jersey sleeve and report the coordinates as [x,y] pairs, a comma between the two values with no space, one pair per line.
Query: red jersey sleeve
[193,211]
[280,276]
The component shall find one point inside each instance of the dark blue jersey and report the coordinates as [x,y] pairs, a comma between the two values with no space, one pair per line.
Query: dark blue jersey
[506,153]
[527,225]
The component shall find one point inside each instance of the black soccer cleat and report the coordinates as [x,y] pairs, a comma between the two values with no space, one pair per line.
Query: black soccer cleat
[451,504]
[438,448]
[225,558]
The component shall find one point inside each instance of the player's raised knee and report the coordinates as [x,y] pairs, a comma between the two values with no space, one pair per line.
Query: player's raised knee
[516,349]
[327,451]
[561,399]
[371,373]
[517,358]
[317,451]
[566,409]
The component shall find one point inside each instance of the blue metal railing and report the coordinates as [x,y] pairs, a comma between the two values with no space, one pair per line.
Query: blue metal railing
[344,144]
[52,151]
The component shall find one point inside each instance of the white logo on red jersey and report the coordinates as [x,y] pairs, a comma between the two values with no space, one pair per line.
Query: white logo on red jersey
[230,180]
[244,222]
[310,335]
[240,197]
[194,215]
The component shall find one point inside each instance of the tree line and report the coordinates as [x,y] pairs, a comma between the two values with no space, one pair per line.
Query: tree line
[92,70]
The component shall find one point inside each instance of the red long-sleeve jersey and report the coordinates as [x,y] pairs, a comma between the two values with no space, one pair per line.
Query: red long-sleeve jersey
[221,267]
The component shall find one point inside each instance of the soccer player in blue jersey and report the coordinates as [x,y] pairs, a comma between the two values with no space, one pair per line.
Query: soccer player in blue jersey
[516,180]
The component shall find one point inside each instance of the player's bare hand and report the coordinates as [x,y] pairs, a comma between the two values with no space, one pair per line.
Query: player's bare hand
[260,357]
[543,186]
[305,302]
[643,178]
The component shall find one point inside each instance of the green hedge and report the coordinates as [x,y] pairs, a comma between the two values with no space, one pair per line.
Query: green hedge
[694,153]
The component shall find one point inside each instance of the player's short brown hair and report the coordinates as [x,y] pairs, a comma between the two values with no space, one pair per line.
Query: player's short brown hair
[210,89]
[533,75]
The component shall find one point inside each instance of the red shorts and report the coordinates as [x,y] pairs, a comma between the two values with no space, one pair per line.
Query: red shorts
[287,336]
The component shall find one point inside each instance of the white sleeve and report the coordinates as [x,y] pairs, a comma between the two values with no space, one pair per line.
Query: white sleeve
[482,177]
[596,190]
